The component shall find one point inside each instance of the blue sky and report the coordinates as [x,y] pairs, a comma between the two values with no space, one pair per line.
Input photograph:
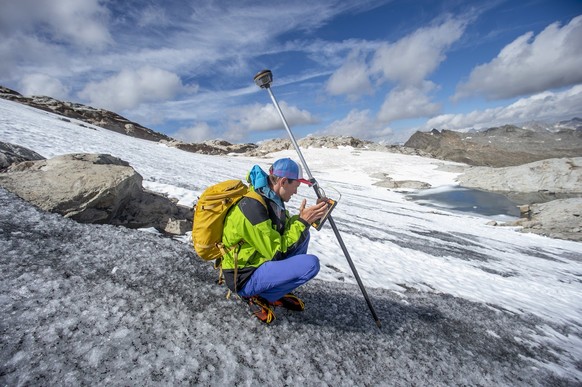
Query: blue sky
[378,70]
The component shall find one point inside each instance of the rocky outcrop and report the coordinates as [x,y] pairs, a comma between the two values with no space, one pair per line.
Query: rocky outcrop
[95,188]
[87,188]
[212,147]
[538,187]
[10,154]
[552,175]
[387,182]
[331,142]
[98,117]
[270,146]
[560,219]
[499,147]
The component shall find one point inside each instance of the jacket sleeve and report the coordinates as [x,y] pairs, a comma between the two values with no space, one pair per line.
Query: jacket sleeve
[258,232]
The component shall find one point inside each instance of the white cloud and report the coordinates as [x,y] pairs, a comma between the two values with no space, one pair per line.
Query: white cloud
[408,102]
[153,16]
[42,84]
[360,124]
[356,123]
[350,79]
[530,64]
[51,37]
[257,117]
[413,58]
[543,106]
[129,88]
[79,22]
[199,132]
[407,63]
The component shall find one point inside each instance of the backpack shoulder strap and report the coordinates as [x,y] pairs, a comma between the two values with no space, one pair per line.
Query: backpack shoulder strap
[257,196]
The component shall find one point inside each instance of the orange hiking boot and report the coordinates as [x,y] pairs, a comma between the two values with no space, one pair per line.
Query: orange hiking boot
[289,301]
[261,309]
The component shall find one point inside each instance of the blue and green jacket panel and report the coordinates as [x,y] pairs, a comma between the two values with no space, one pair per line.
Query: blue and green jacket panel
[266,234]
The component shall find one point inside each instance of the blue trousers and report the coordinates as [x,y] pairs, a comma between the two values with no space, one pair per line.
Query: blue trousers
[273,279]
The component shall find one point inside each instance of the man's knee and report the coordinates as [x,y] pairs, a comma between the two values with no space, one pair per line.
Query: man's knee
[313,265]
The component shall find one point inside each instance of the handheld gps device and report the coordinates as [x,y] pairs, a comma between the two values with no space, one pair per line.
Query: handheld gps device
[318,224]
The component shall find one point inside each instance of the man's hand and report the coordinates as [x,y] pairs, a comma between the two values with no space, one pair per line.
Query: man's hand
[313,213]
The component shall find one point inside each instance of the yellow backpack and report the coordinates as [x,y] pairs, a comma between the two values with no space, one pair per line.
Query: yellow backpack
[209,215]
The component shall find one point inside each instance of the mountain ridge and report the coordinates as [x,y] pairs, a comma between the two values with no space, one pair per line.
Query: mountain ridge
[506,145]
[98,117]
[503,146]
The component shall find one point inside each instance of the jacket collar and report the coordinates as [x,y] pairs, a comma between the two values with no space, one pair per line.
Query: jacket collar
[259,180]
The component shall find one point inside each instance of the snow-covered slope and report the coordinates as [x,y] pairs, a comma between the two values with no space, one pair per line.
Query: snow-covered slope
[512,292]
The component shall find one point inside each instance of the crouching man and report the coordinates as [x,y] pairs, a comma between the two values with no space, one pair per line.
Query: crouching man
[271,258]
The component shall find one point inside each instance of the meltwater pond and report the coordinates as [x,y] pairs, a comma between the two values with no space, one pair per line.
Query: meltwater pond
[455,198]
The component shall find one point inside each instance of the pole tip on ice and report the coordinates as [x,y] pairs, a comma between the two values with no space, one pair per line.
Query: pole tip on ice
[264,78]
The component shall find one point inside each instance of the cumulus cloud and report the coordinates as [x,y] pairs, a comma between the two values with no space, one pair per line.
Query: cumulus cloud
[42,84]
[542,106]
[198,132]
[413,58]
[408,102]
[360,124]
[356,123]
[530,64]
[130,88]
[153,16]
[258,118]
[350,79]
[407,63]
[78,22]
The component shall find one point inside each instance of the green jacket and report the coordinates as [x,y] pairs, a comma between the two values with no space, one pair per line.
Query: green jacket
[266,234]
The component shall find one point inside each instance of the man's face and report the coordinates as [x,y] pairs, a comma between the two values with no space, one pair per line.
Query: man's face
[288,189]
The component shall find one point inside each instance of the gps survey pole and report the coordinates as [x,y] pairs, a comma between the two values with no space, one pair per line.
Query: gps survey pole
[264,79]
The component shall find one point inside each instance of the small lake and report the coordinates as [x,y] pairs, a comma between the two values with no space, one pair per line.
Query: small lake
[455,198]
